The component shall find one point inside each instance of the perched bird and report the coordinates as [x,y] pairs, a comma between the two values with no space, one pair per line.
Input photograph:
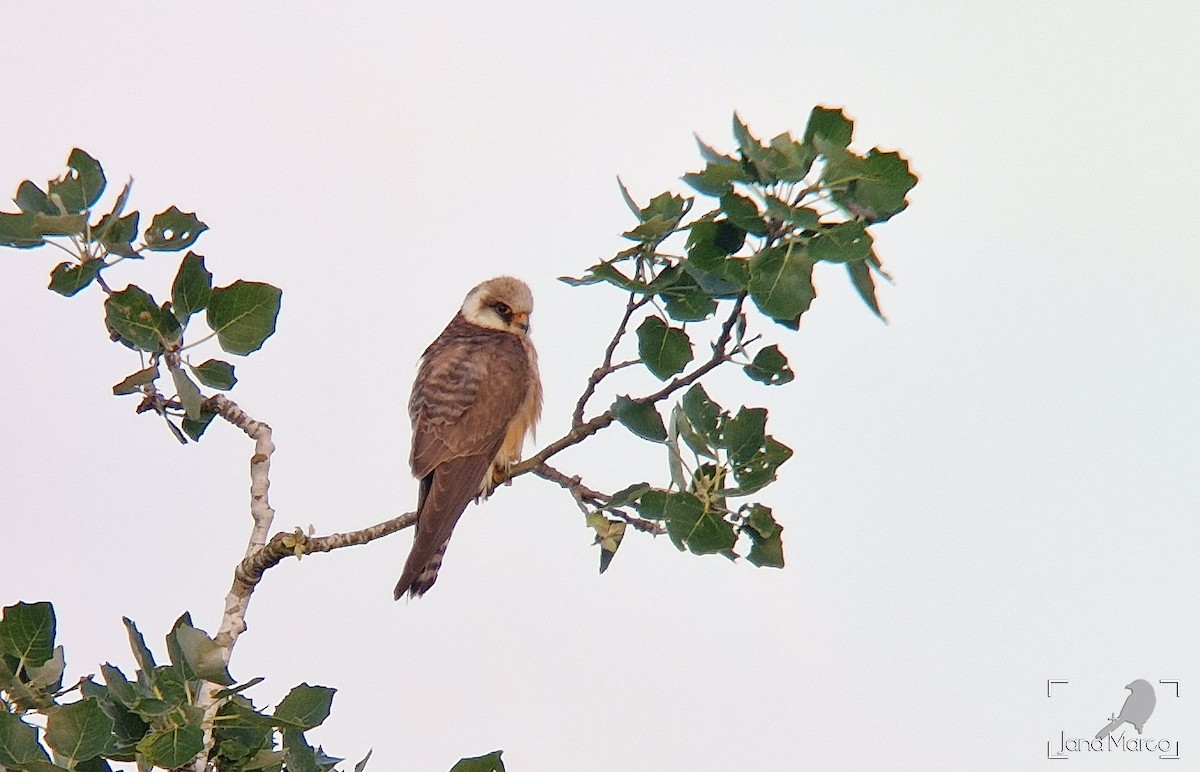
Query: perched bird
[476,396]
[1137,708]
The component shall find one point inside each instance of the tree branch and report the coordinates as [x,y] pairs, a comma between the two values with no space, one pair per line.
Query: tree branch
[584,496]
[606,367]
[580,432]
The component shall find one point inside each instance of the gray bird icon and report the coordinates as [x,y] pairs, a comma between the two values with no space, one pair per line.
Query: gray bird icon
[1136,710]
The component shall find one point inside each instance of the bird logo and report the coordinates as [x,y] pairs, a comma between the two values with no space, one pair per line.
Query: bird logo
[1136,710]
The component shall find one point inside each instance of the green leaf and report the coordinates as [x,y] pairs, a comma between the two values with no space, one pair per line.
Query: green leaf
[79,731]
[796,217]
[239,732]
[489,762]
[702,413]
[864,284]
[133,383]
[68,278]
[846,242]
[194,428]
[781,283]
[304,707]
[187,391]
[120,687]
[31,199]
[203,656]
[770,366]
[19,231]
[829,124]
[640,418]
[687,301]
[117,234]
[243,315]
[608,536]
[880,189]
[758,471]
[709,245]
[134,316]
[173,230]
[172,747]
[27,633]
[791,160]
[699,444]
[754,154]
[743,213]
[48,675]
[298,755]
[59,224]
[81,186]
[664,350]
[718,177]
[360,766]
[215,374]
[744,434]
[141,653]
[19,746]
[690,524]
[766,537]
[192,288]
[606,271]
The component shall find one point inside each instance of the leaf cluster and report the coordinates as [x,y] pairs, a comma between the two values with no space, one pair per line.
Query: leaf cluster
[153,718]
[776,210]
[240,315]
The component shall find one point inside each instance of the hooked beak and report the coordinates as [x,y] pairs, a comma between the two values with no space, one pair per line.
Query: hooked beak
[521,319]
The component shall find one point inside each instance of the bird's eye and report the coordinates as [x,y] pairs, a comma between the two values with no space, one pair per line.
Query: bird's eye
[502,309]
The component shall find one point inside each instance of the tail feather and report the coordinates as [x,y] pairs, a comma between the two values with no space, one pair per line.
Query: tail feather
[416,580]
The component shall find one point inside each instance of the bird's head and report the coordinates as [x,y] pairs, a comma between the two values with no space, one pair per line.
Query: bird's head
[502,303]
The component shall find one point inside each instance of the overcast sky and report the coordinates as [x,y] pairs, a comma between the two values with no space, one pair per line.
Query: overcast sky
[996,489]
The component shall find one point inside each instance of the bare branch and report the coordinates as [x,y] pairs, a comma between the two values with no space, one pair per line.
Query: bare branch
[584,496]
[607,367]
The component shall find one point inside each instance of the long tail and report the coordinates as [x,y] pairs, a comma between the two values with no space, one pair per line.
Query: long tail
[416,580]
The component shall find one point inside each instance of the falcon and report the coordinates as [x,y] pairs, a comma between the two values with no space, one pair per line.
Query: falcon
[476,395]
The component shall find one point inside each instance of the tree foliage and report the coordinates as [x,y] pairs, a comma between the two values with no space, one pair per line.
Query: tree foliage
[694,285]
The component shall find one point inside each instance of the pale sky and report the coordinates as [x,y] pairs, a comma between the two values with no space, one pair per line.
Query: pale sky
[995,489]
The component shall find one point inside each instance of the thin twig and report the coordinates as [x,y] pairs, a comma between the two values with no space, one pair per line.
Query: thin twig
[584,496]
[580,432]
[606,367]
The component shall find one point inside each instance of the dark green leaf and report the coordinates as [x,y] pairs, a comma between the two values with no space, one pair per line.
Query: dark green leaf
[188,393]
[173,230]
[195,428]
[19,745]
[781,283]
[215,374]
[304,707]
[243,315]
[709,244]
[699,444]
[134,382]
[640,418]
[717,177]
[743,213]
[134,316]
[628,494]
[192,288]
[31,199]
[298,755]
[360,766]
[19,230]
[880,189]
[239,732]
[860,276]
[758,471]
[687,301]
[770,366]
[48,675]
[754,154]
[117,234]
[27,633]
[606,271]
[68,278]
[664,350]
[81,186]
[97,764]
[791,160]
[141,653]
[173,747]
[766,536]
[119,687]
[744,434]
[690,524]
[830,125]
[702,413]
[846,242]
[489,762]
[797,217]
[79,731]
